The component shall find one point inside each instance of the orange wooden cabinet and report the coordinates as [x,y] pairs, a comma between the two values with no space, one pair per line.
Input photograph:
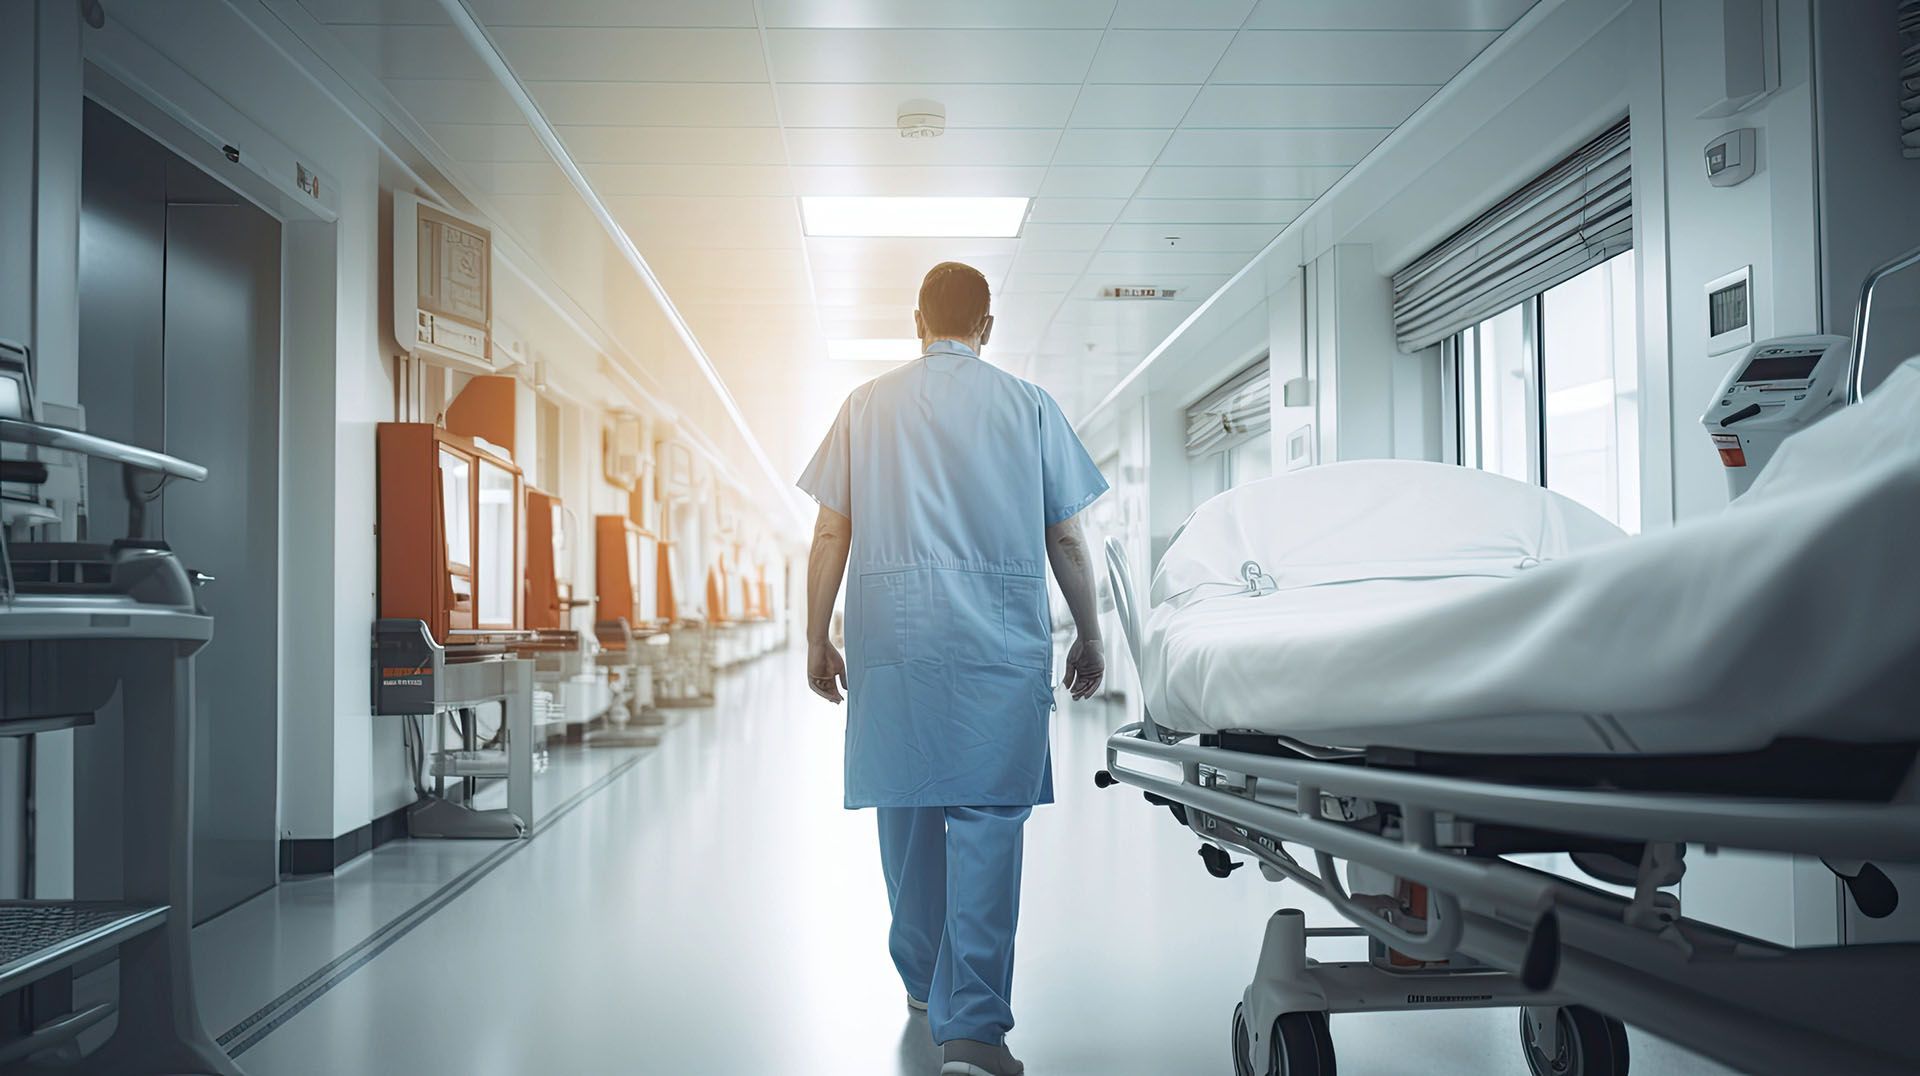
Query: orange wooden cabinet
[625,572]
[449,531]
[549,583]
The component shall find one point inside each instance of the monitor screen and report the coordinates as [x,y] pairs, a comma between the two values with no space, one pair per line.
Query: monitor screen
[1780,368]
[13,396]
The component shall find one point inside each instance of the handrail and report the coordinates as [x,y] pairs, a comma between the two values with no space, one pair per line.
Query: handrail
[1862,312]
[23,432]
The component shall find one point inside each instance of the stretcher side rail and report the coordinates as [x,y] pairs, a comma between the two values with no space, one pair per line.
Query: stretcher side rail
[1746,1002]
[1743,1000]
[1836,830]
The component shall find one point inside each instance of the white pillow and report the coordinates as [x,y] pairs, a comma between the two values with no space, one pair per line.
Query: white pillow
[1373,519]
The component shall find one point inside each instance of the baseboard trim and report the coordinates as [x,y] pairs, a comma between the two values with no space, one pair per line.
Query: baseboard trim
[322,855]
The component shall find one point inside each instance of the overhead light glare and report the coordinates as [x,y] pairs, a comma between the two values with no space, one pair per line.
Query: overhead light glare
[872,350]
[886,216]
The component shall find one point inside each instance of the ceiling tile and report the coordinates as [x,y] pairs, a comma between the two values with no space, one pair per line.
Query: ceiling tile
[707,13]
[517,178]
[918,14]
[1158,55]
[1305,106]
[906,56]
[613,180]
[918,181]
[1186,14]
[615,145]
[455,100]
[1074,237]
[1031,148]
[659,104]
[1387,14]
[1242,238]
[413,52]
[657,223]
[1022,281]
[1349,56]
[1111,146]
[1165,182]
[1035,260]
[1111,105]
[878,104]
[1075,210]
[1323,146]
[1091,182]
[545,13]
[673,145]
[488,141]
[1146,264]
[621,54]
[1213,210]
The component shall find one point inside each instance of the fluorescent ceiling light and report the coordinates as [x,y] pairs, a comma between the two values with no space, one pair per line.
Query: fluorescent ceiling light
[933,218]
[865,350]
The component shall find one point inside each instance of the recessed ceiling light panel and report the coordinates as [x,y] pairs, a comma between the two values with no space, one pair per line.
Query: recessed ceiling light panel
[884,216]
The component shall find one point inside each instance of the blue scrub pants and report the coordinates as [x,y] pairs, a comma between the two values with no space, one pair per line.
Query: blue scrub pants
[953,880]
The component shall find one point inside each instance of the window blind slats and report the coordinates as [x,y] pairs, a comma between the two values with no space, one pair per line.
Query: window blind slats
[1238,410]
[1576,215]
[1909,89]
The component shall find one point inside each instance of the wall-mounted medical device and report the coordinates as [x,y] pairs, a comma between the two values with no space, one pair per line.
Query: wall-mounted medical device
[1732,158]
[442,285]
[626,572]
[1777,387]
[1730,311]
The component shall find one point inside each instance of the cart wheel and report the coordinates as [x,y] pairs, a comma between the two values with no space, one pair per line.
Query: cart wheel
[1242,1043]
[1591,1044]
[1302,1045]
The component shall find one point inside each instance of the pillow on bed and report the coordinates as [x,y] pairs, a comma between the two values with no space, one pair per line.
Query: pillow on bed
[1373,519]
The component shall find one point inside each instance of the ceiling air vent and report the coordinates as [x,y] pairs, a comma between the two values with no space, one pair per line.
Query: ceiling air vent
[1133,291]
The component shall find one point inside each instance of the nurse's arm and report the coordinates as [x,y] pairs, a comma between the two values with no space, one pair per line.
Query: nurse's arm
[826,568]
[1072,561]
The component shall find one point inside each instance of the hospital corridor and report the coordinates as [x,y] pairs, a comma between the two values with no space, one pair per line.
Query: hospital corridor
[959,537]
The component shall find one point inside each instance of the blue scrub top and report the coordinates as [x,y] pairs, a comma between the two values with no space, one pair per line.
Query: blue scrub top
[951,471]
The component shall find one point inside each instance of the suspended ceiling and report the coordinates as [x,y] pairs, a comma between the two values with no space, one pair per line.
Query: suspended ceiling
[1163,144]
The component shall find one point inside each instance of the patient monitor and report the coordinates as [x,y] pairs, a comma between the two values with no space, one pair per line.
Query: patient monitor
[1776,387]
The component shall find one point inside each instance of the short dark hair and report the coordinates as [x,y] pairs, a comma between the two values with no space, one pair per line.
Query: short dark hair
[953,300]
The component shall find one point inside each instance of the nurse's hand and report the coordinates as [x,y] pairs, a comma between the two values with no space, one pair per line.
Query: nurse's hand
[826,672]
[1086,665]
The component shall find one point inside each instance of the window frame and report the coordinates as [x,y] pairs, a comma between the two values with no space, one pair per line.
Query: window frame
[1463,398]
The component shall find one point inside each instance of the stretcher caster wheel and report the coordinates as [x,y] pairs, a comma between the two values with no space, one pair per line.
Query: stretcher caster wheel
[1591,1044]
[1302,1045]
[1102,779]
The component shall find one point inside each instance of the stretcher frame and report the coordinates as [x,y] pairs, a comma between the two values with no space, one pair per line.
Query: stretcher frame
[1548,940]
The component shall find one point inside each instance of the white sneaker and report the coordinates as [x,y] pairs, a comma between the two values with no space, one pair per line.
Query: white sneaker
[965,1057]
[916,1004]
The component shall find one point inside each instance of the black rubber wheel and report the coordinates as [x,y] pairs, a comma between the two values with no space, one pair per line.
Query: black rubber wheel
[1242,1043]
[1302,1045]
[1591,1044]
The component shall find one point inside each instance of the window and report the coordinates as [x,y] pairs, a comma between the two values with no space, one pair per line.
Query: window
[1548,391]
[1229,433]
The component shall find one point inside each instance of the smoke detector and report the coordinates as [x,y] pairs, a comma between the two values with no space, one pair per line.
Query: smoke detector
[922,119]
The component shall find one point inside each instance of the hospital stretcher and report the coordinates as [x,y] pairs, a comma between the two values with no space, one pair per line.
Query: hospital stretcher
[1429,819]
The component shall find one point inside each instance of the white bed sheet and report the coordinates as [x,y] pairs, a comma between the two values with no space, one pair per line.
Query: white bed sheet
[1794,613]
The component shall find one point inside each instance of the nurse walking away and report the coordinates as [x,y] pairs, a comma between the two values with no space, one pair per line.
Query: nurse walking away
[951,485]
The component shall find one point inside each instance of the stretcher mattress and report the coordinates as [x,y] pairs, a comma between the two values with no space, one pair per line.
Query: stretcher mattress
[1433,607]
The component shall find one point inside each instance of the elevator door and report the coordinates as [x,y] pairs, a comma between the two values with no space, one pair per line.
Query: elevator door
[180,350]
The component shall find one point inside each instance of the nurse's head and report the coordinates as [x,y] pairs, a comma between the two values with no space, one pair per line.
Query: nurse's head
[953,306]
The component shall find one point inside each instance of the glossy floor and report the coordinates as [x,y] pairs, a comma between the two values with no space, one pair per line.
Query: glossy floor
[710,909]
